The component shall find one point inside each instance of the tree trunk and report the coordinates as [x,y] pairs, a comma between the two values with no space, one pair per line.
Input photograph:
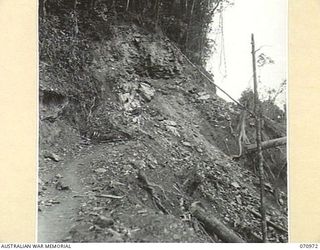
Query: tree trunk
[214,226]
[189,27]
[257,112]
[267,144]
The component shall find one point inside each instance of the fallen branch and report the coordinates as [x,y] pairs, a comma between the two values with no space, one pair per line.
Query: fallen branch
[214,226]
[270,223]
[109,196]
[268,144]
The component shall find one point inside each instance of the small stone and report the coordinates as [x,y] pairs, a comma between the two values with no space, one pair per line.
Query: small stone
[100,170]
[238,198]
[150,165]
[170,123]
[199,150]
[40,182]
[58,176]
[268,185]
[176,236]
[52,156]
[61,186]
[173,130]
[180,101]
[187,144]
[146,91]
[235,184]
[204,97]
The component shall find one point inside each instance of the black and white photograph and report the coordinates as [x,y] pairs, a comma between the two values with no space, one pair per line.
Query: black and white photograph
[162,121]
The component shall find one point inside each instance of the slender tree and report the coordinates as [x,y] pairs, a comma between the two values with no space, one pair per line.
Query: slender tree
[257,112]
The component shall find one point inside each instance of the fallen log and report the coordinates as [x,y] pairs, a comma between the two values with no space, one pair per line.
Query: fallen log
[267,144]
[214,226]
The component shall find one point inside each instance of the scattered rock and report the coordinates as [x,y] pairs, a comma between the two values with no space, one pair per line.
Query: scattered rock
[170,123]
[110,191]
[51,156]
[187,144]
[238,199]
[138,164]
[199,150]
[176,237]
[100,170]
[173,130]
[124,97]
[146,91]
[58,176]
[235,184]
[204,97]
[40,182]
[180,101]
[51,202]
[61,186]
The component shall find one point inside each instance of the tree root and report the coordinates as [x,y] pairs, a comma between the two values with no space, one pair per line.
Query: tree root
[149,187]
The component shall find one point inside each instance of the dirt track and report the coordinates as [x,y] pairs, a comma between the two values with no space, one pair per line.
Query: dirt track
[154,117]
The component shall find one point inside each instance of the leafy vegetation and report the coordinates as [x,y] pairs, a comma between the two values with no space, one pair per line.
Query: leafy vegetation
[186,22]
[268,102]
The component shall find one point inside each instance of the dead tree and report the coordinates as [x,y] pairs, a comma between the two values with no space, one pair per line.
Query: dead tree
[257,112]
[267,144]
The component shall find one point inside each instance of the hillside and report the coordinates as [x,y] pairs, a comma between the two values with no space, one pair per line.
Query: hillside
[131,135]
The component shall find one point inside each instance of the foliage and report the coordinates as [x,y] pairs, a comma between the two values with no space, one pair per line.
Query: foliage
[268,106]
[186,22]
[263,60]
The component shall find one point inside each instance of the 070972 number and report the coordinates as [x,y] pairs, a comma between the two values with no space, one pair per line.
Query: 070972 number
[309,246]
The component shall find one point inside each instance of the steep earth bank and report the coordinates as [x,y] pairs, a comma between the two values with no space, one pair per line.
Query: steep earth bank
[131,135]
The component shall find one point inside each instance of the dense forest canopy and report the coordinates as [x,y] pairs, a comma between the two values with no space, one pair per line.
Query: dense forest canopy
[186,22]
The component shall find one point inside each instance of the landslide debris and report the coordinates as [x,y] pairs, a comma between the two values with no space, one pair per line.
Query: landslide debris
[131,135]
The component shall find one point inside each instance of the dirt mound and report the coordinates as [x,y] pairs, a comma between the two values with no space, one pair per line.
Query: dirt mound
[131,136]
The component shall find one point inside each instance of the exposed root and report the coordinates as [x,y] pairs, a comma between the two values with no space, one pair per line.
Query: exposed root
[242,134]
[149,187]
